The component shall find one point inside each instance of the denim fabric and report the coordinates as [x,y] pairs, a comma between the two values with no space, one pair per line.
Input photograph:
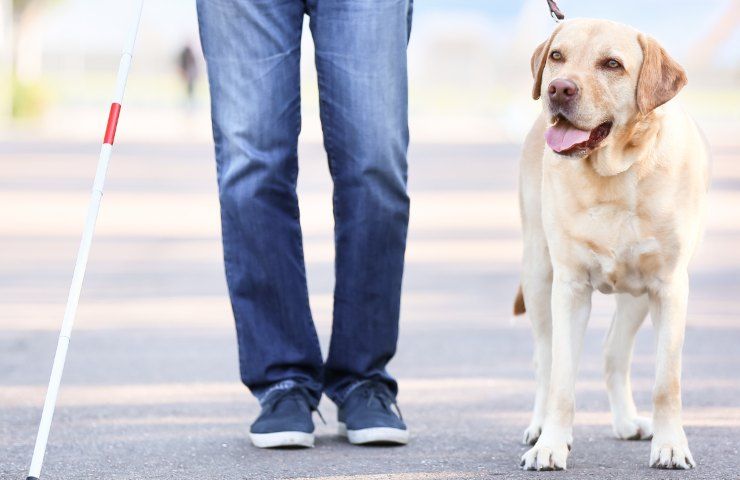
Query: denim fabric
[252,48]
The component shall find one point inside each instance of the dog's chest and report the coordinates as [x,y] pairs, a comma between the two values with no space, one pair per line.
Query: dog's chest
[618,252]
[612,232]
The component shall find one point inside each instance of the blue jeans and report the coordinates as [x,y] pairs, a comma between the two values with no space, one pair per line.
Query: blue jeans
[252,48]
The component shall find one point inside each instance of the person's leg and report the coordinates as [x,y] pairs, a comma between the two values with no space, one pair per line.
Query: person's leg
[252,48]
[361,63]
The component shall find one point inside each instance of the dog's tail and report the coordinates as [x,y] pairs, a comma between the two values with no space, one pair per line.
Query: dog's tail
[519,307]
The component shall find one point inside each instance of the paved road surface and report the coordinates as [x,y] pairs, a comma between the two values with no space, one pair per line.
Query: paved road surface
[151,388]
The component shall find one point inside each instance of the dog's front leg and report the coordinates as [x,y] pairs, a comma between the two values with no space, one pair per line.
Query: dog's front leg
[571,306]
[537,290]
[669,448]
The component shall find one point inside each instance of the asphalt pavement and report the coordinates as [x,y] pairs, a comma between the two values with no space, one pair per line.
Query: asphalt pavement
[151,388]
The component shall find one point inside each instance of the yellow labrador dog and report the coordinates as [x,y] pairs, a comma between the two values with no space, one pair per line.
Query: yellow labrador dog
[614,176]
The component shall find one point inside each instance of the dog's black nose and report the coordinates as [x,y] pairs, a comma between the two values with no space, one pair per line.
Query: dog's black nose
[562,91]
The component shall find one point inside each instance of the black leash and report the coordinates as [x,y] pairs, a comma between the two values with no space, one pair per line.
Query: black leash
[555,11]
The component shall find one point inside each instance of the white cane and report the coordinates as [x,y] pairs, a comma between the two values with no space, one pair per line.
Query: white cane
[82,255]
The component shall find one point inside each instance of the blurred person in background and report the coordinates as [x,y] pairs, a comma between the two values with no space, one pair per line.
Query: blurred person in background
[188,69]
[252,49]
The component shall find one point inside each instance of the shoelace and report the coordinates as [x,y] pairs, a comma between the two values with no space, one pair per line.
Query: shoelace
[377,392]
[298,394]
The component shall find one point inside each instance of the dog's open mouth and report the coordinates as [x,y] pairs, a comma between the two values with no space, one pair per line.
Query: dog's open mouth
[566,139]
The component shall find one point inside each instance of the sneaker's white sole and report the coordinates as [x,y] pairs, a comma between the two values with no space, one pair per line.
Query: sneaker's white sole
[282,439]
[374,435]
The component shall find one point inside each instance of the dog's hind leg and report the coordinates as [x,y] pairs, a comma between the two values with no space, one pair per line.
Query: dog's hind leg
[630,314]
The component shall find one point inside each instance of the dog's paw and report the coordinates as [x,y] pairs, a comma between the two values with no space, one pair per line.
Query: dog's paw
[637,428]
[532,434]
[667,453]
[546,456]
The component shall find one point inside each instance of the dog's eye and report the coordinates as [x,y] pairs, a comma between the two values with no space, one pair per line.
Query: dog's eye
[612,63]
[557,56]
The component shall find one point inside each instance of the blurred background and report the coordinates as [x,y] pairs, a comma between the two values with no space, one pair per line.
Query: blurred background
[468,59]
[152,384]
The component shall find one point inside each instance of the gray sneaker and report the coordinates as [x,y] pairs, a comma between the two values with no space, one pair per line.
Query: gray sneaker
[370,416]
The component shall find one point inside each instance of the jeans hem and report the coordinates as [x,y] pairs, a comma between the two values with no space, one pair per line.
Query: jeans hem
[263,395]
[339,397]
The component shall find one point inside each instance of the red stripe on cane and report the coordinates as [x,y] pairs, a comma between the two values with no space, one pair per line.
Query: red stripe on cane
[110,130]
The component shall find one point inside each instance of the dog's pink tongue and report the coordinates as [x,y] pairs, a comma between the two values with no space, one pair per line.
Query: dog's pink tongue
[563,136]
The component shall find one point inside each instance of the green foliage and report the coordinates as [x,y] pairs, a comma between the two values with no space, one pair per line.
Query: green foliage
[20,5]
[29,99]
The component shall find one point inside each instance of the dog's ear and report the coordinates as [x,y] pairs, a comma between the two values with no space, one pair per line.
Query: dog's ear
[539,59]
[661,77]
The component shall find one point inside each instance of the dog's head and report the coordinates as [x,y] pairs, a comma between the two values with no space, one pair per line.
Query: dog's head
[598,79]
